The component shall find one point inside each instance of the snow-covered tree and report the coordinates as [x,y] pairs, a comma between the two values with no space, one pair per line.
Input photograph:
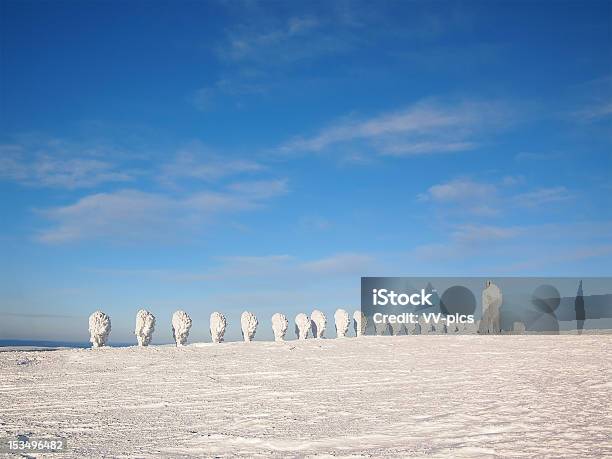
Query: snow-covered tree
[439,328]
[145,326]
[302,325]
[361,323]
[279,326]
[218,323]
[411,328]
[451,328]
[398,329]
[341,317]
[381,328]
[99,328]
[319,323]
[181,324]
[249,323]
[427,328]
[491,302]
[518,328]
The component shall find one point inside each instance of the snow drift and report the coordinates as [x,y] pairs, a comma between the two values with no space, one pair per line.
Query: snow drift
[99,328]
[218,323]
[249,323]
[181,324]
[302,325]
[145,326]
[319,322]
[279,326]
[341,317]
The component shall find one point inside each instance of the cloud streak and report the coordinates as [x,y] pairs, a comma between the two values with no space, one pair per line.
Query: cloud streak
[426,127]
[487,199]
[57,165]
[136,215]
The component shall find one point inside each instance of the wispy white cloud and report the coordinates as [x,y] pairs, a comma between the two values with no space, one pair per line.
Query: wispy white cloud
[470,196]
[488,199]
[542,196]
[595,112]
[58,164]
[276,268]
[522,247]
[340,263]
[425,127]
[595,100]
[480,233]
[277,40]
[136,215]
[536,156]
[459,190]
[201,165]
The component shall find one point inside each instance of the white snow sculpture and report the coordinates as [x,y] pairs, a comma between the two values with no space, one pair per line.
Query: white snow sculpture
[361,323]
[145,326]
[341,317]
[279,326]
[99,328]
[491,302]
[319,323]
[452,328]
[249,323]
[181,324]
[518,328]
[218,325]
[469,329]
[398,329]
[381,328]
[302,325]
[439,328]
[427,328]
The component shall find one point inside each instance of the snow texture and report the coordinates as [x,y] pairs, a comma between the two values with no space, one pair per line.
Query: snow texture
[341,317]
[248,323]
[319,323]
[145,326]
[360,323]
[491,302]
[302,325]
[181,324]
[380,397]
[218,325]
[279,326]
[99,328]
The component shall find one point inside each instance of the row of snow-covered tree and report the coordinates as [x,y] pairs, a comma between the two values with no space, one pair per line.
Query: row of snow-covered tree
[100,326]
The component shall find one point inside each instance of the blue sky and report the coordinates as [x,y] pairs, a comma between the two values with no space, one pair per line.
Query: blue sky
[265,155]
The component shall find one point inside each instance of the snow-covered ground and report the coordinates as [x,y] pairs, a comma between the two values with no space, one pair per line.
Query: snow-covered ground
[455,396]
